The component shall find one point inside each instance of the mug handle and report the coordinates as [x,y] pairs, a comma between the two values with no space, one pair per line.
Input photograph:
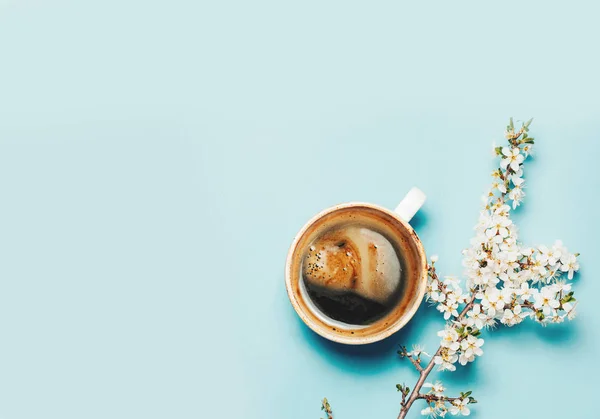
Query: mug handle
[412,202]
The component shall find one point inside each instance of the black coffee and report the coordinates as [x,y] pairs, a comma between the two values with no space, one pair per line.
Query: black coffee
[353,273]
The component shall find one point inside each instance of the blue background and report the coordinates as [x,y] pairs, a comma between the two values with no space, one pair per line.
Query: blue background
[157,158]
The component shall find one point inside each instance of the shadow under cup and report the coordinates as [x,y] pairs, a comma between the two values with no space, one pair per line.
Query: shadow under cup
[414,274]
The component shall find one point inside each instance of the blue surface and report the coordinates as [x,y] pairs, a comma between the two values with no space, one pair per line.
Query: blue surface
[157,158]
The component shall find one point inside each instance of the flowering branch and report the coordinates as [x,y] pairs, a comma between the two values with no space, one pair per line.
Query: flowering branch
[506,282]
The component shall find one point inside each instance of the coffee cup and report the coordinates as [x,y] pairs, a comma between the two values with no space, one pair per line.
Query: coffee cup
[356,272]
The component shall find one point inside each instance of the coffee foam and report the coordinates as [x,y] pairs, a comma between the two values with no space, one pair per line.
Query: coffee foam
[356,259]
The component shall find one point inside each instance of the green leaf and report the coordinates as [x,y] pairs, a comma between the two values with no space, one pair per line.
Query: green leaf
[472,400]
[569,296]
[526,125]
[512,125]
[403,389]
[498,151]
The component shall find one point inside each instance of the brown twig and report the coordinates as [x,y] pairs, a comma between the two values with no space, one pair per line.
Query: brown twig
[403,402]
[326,407]
[415,363]
[434,398]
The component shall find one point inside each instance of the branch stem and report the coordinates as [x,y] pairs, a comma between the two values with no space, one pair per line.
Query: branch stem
[432,398]
[415,363]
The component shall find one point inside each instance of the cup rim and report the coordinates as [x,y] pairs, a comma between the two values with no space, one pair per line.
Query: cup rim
[350,339]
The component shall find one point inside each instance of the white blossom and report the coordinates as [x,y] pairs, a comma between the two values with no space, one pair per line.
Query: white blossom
[525,293]
[471,347]
[417,351]
[562,286]
[512,158]
[435,293]
[506,295]
[498,184]
[570,265]
[498,225]
[546,300]
[437,388]
[449,307]
[449,338]
[556,317]
[429,411]
[446,361]
[570,309]
[476,317]
[513,316]
[553,254]
[516,194]
[491,301]
[459,407]
[502,210]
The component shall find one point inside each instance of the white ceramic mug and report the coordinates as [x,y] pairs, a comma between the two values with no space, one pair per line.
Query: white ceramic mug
[414,272]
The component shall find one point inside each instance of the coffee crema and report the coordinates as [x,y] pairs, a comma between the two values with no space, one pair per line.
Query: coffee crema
[353,272]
